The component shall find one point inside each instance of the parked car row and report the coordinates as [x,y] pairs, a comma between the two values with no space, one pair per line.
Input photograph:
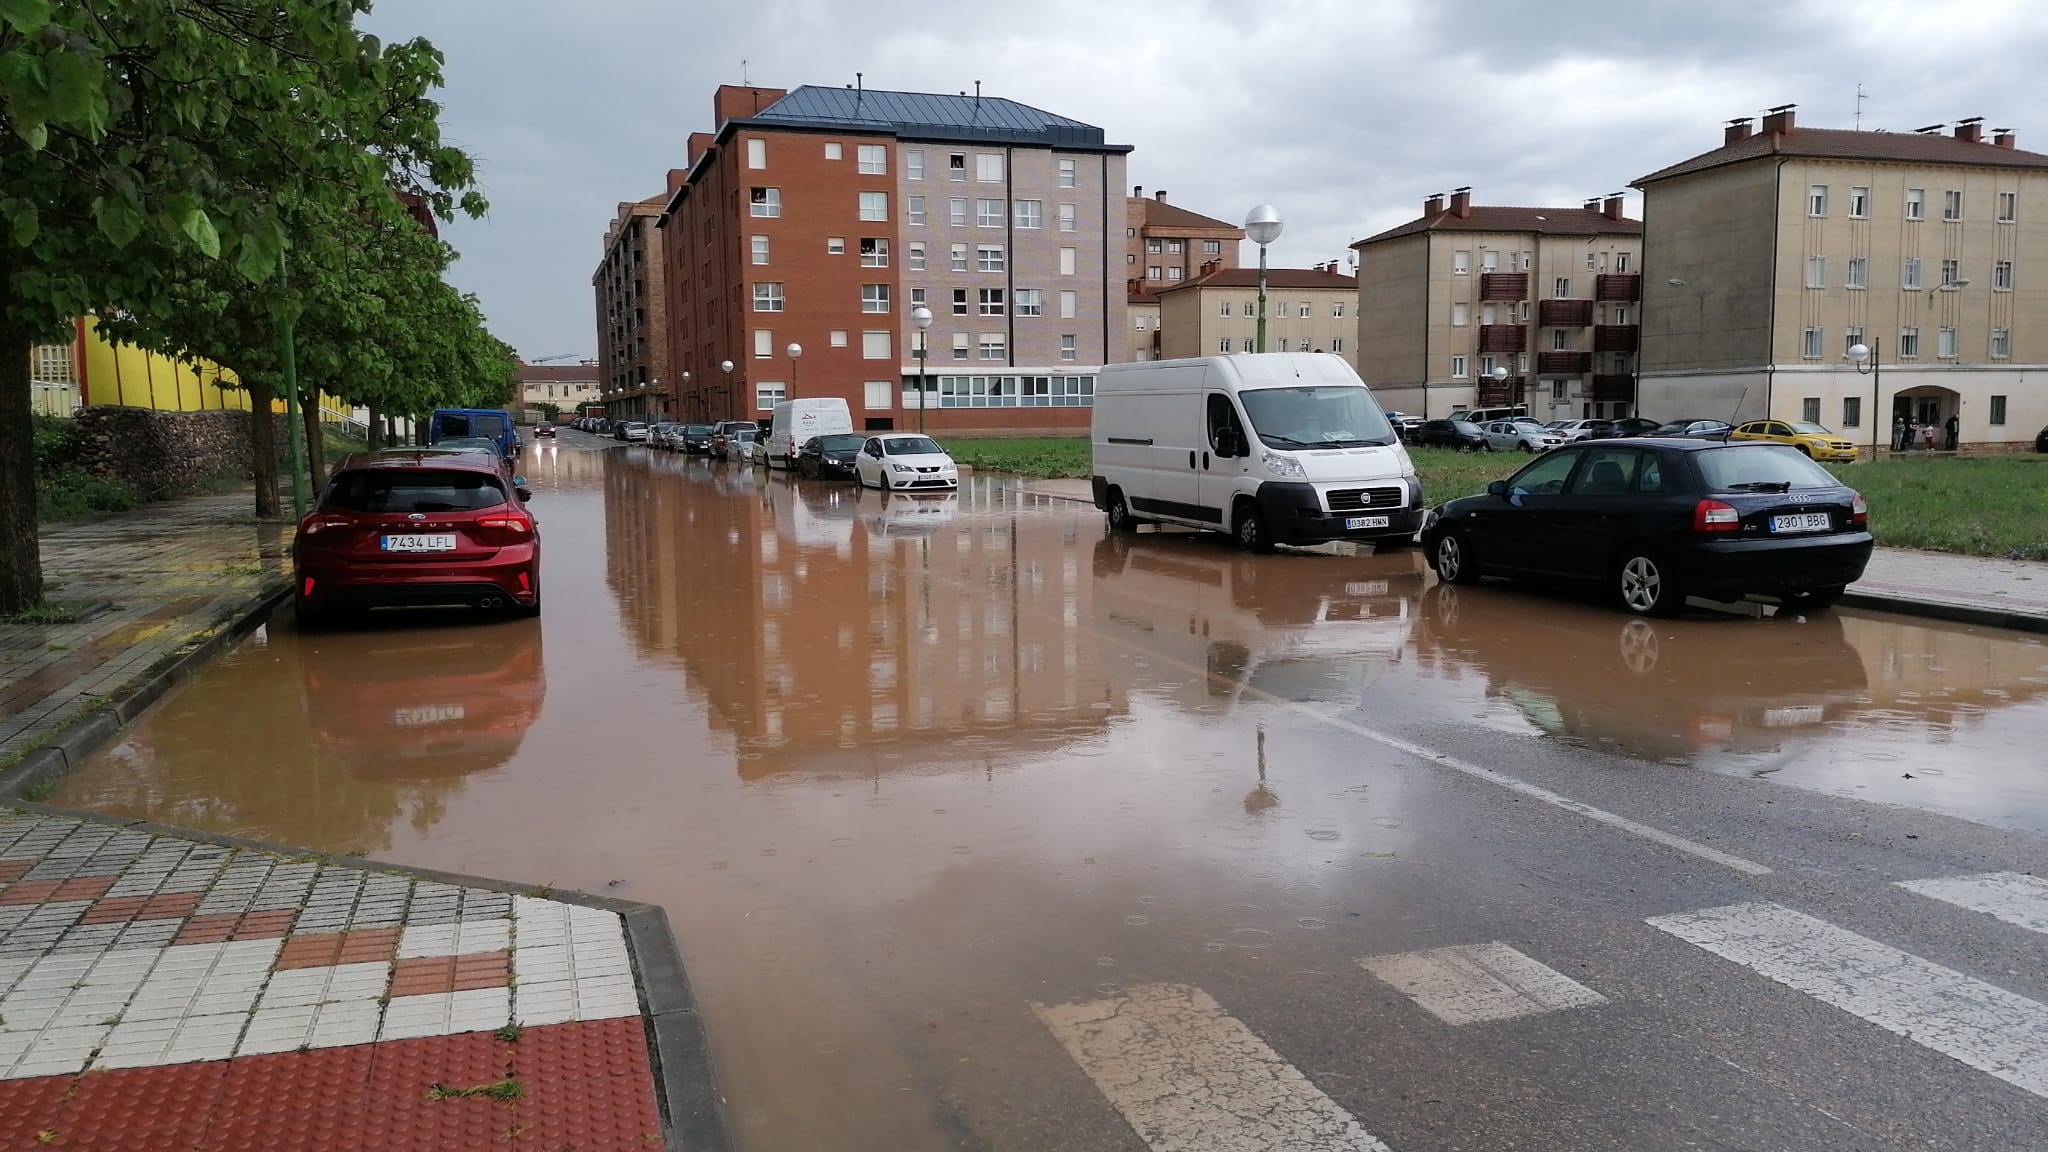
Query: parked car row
[1526,434]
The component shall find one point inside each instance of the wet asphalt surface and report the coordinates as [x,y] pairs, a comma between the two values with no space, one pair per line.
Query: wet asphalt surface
[901,769]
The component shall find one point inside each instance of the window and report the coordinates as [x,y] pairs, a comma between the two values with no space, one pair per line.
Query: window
[1461,263]
[956,166]
[1592,262]
[1155,247]
[1070,304]
[959,258]
[960,348]
[1130,257]
[959,301]
[1851,337]
[874,297]
[874,252]
[1175,247]
[1817,200]
[1173,273]
[1945,343]
[1486,365]
[1816,271]
[765,201]
[873,159]
[1286,345]
[913,210]
[1489,260]
[1812,348]
[1916,203]
[1336,343]
[1909,343]
[1859,209]
[1223,345]
[1621,262]
[874,205]
[1852,411]
[1279,310]
[767,395]
[1809,409]
[1223,308]
[1031,302]
[764,344]
[1066,217]
[835,245]
[1560,390]
[757,155]
[990,258]
[2008,207]
[1458,371]
[992,302]
[1066,173]
[2001,276]
[1248,310]
[767,297]
[1998,410]
[1307,310]
[1069,259]
[1212,247]
[1141,321]
[1859,272]
[760,249]
[988,213]
[1560,340]
[838,338]
[993,345]
[874,345]
[1620,313]
[1336,309]
[1068,346]
[916,297]
[1461,315]
[1561,288]
[1028,213]
[1155,272]
[2001,343]
[877,393]
[988,167]
[1909,276]
[956,211]
[1951,273]
[1952,204]
[833,152]
[913,164]
[917,257]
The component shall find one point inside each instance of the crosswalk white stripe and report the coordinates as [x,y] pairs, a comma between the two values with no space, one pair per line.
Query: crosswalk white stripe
[1474,983]
[2013,897]
[1959,1016]
[1189,1077]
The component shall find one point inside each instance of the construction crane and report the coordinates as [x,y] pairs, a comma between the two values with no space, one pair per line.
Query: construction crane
[552,359]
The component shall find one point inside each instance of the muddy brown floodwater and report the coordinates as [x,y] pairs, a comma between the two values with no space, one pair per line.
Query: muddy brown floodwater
[896,766]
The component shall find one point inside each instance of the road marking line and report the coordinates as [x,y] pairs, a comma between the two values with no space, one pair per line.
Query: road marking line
[1473,983]
[1189,1077]
[1966,1019]
[2013,897]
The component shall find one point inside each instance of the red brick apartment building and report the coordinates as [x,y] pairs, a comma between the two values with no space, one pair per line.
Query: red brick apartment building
[822,217]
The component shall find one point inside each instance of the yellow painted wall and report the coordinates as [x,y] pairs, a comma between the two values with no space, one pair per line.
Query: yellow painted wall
[124,374]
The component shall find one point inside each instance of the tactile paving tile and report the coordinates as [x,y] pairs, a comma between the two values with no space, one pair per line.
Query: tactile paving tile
[583,1050]
[295,1101]
[140,1108]
[31,1106]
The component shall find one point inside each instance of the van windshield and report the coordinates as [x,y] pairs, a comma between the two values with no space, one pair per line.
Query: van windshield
[1329,416]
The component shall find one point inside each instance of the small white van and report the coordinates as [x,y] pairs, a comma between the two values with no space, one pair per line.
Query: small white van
[1273,448]
[798,420]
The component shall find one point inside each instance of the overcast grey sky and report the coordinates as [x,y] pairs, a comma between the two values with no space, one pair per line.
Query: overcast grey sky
[1343,113]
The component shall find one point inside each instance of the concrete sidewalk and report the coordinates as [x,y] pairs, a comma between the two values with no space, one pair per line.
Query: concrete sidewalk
[1938,585]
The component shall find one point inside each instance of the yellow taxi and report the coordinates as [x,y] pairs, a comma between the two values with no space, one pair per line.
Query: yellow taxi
[1812,439]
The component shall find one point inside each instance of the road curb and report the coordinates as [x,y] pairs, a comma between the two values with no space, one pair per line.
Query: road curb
[1954,613]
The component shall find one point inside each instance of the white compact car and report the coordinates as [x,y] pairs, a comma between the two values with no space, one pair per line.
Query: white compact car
[905,461]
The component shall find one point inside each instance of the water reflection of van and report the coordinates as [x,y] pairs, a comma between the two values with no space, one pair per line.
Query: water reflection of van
[425,703]
[901,516]
[1301,629]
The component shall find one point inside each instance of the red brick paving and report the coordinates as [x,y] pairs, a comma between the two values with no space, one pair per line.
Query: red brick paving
[232,926]
[12,870]
[120,909]
[320,949]
[419,975]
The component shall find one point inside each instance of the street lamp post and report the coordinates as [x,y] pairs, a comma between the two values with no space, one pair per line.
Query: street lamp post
[686,390]
[1869,361]
[922,317]
[727,365]
[1500,376]
[796,352]
[1263,225]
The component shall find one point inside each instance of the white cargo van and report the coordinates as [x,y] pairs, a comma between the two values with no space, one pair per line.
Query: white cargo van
[1275,448]
[796,421]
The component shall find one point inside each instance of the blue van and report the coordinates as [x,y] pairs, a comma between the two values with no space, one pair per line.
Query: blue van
[492,423]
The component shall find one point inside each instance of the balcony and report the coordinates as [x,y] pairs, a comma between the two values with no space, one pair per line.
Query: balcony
[1564,313]
[1618,286]
[1503,338]
[1615,337]
[1614,386]
[1564,363]
[1504,286]
[1493,395]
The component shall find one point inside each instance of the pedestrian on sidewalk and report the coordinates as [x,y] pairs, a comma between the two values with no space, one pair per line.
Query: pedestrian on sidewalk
[1953,428]
[1912,435]
[1898,433]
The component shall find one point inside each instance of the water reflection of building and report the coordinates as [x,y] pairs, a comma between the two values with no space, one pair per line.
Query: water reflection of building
[822,622]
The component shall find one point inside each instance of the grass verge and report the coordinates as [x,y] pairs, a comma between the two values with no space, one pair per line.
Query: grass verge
[1047,459]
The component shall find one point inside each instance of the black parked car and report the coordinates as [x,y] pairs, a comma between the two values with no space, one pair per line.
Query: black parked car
[1628,426]
[1460,434]
[697,438]
[1656,520]
[828,457]
[1716,428]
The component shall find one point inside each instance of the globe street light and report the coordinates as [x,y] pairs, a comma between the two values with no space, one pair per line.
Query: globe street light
[796,352]
[727,365]
[1869,362]
[922,317]
[1500,375]
[1263,225]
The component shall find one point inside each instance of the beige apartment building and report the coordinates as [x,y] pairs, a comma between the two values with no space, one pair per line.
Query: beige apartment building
[1167,245]
[1307,310]
[1547,295]
[632,313]
[1773,254]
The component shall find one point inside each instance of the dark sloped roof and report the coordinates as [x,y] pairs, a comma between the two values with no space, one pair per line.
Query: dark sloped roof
[557,373]
[929,115]
[1843,144]
[1500,218]
[1160,214]
[1275,278]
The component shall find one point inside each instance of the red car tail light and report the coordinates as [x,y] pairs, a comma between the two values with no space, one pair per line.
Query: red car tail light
[308,589]
[1714,516]
[519,524]
[1859,512]
[321,522]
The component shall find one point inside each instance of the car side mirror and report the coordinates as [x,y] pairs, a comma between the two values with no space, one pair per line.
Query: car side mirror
[525,494]
[1497,488]
[519,481]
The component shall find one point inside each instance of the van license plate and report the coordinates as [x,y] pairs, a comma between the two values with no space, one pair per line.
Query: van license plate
[436,542]
[1801,522]
[1366,522]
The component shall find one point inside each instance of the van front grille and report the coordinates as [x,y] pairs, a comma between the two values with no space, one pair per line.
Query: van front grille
[1359,499]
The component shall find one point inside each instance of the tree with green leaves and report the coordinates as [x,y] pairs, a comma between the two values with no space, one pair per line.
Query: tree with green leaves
[142,138]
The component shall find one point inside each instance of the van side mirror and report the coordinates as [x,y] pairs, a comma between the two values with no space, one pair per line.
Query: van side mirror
[1229,442]
[1497,488]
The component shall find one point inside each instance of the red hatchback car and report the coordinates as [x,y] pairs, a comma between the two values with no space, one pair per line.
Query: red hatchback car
[402,527]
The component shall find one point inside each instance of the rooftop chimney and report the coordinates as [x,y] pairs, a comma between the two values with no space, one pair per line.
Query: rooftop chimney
[1160,195]
[1779,120]
[1737,129]
[1461,202]
[1971,130]
[1434,205]
[1138,191]
[2004,138]
[700,143]
[1593,204]
[736,101]
[1611,208]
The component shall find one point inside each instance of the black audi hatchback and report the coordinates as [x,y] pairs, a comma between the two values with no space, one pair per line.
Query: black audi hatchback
[1653,521]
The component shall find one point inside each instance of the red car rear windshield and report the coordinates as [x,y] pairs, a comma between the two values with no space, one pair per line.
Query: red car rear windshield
[414,490]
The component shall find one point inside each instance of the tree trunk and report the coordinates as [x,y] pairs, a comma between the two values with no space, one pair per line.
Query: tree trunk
[21,563]
[316,448]
[375,435]
[263,446]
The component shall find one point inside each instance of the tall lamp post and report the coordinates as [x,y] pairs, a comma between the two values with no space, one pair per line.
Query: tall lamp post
[1263,225]
[796,352]
[727,365]
[1500,376]
[922,317]
[1869,361]
[686,391]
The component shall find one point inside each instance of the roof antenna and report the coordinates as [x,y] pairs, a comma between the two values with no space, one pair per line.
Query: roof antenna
[977,99]
[1860,98]
[744,82]
[860,89]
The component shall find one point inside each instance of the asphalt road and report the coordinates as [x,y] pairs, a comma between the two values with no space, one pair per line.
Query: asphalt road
[981,830]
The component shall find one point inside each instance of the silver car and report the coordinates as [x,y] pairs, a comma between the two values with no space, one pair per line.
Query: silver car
[1526,435]
[1575,430]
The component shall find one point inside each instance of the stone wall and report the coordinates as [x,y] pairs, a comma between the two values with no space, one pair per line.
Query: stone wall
[164,453]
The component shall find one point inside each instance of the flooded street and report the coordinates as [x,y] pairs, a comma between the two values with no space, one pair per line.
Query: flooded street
[923,781]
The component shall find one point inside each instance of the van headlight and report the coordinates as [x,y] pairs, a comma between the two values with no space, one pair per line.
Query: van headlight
[1407,463]
[1280,464]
